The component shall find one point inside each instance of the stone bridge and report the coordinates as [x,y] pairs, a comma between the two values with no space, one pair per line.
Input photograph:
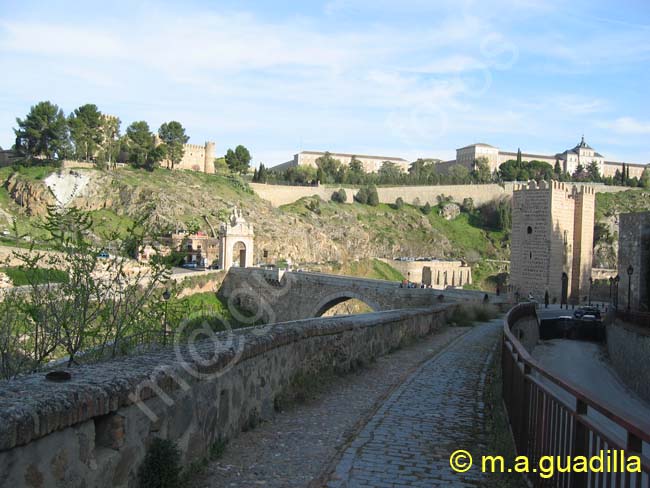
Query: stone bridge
[274,296]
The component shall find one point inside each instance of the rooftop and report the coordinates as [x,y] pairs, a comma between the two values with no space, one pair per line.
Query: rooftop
[349,155]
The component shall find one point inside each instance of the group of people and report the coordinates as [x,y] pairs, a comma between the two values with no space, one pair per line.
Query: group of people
[412,284]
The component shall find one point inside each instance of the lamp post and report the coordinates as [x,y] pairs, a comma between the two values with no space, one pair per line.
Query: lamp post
[630,270]
[617,279]
[565,292]
[408,278]
[611,282]
[591,283]
[166,296]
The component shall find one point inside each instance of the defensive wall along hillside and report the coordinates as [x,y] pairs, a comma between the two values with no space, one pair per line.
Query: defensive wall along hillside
[284,194]
[94,429]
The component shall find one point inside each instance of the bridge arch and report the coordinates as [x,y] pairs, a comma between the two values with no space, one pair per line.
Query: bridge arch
[335,298]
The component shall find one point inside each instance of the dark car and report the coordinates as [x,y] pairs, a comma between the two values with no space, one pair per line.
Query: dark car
[587,311]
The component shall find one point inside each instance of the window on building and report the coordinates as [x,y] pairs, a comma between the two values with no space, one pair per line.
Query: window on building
[529,230]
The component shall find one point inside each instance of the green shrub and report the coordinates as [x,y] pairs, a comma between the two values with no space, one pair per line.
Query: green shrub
[399,203]
[36,276]
[373,196]
[362,196]
[161,467]
[340,196]
[426,209]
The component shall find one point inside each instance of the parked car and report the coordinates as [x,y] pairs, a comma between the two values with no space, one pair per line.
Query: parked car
[581,312]
[189,265]
[103,255]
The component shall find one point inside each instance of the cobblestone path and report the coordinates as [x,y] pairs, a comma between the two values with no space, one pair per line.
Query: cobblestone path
[436,411]
[301,443]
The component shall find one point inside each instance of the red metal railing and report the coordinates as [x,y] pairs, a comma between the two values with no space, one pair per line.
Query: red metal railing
[552,417]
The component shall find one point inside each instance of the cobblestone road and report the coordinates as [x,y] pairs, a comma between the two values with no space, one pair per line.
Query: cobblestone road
[301,444]
[436,411]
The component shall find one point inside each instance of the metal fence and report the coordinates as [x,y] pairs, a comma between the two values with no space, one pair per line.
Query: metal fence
[551,417]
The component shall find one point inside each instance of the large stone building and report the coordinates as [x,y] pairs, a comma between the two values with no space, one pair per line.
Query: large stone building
[634,256]
[552,240]
[371,164]
[581,154]
[196,157]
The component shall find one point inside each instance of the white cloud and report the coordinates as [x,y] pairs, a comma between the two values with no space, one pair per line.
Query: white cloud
[627,125]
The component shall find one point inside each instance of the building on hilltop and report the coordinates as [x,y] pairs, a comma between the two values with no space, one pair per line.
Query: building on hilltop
[371,164]
[552,240]
[196,157]
[634,256]
[582,154]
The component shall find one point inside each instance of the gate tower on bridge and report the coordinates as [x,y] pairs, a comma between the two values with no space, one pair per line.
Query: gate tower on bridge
[552,236]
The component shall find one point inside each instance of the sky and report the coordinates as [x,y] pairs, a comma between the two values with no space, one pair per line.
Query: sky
[414,78]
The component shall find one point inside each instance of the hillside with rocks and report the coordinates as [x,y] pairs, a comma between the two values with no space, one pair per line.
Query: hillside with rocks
[307,231]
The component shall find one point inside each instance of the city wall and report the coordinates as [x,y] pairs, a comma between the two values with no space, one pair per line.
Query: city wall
[94,429]
[629,350]
[281,194]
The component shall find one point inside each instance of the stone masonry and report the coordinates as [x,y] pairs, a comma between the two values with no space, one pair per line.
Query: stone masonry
[438,410]
[94,429]
[275,296]
[634,250]
[552,235]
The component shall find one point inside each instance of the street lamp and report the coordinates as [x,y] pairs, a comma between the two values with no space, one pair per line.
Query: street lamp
[611,282]
[617,279]
[591,283]
[630,270]
[564,297]
[166,296]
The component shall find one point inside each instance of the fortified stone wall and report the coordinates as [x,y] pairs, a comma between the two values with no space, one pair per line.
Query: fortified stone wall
[94,429]
[530,246]
[552,235]
[629,350]
[282,194]
[585,208]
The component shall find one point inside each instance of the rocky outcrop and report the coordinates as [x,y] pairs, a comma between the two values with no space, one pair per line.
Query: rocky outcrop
[32,197]
[450,211]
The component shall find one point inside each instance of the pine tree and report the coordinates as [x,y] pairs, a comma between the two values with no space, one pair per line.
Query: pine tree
[519,156]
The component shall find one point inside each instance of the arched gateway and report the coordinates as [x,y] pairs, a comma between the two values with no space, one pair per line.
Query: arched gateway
[236,242]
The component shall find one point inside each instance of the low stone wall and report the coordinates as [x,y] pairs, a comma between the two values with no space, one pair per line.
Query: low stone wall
[526,330]
[94,429]
[629,351]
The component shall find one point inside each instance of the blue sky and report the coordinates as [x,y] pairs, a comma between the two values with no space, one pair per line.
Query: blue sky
[411,78]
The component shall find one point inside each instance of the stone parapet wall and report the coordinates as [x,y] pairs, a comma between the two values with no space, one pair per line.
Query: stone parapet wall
[629,350]
[94,429]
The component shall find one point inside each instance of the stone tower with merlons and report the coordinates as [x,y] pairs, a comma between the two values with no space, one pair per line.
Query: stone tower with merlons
[552,240]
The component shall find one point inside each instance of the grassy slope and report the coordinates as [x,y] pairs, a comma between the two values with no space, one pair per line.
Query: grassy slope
[182,196]
[608,204]
[394,226]
[370,268]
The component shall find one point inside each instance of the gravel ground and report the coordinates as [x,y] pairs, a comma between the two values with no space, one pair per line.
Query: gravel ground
[301,445]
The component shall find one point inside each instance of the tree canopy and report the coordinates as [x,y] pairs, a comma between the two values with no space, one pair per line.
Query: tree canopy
[512,170]
[143,152]
[172,134]
[86,131]
[42,133]
[238,160]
